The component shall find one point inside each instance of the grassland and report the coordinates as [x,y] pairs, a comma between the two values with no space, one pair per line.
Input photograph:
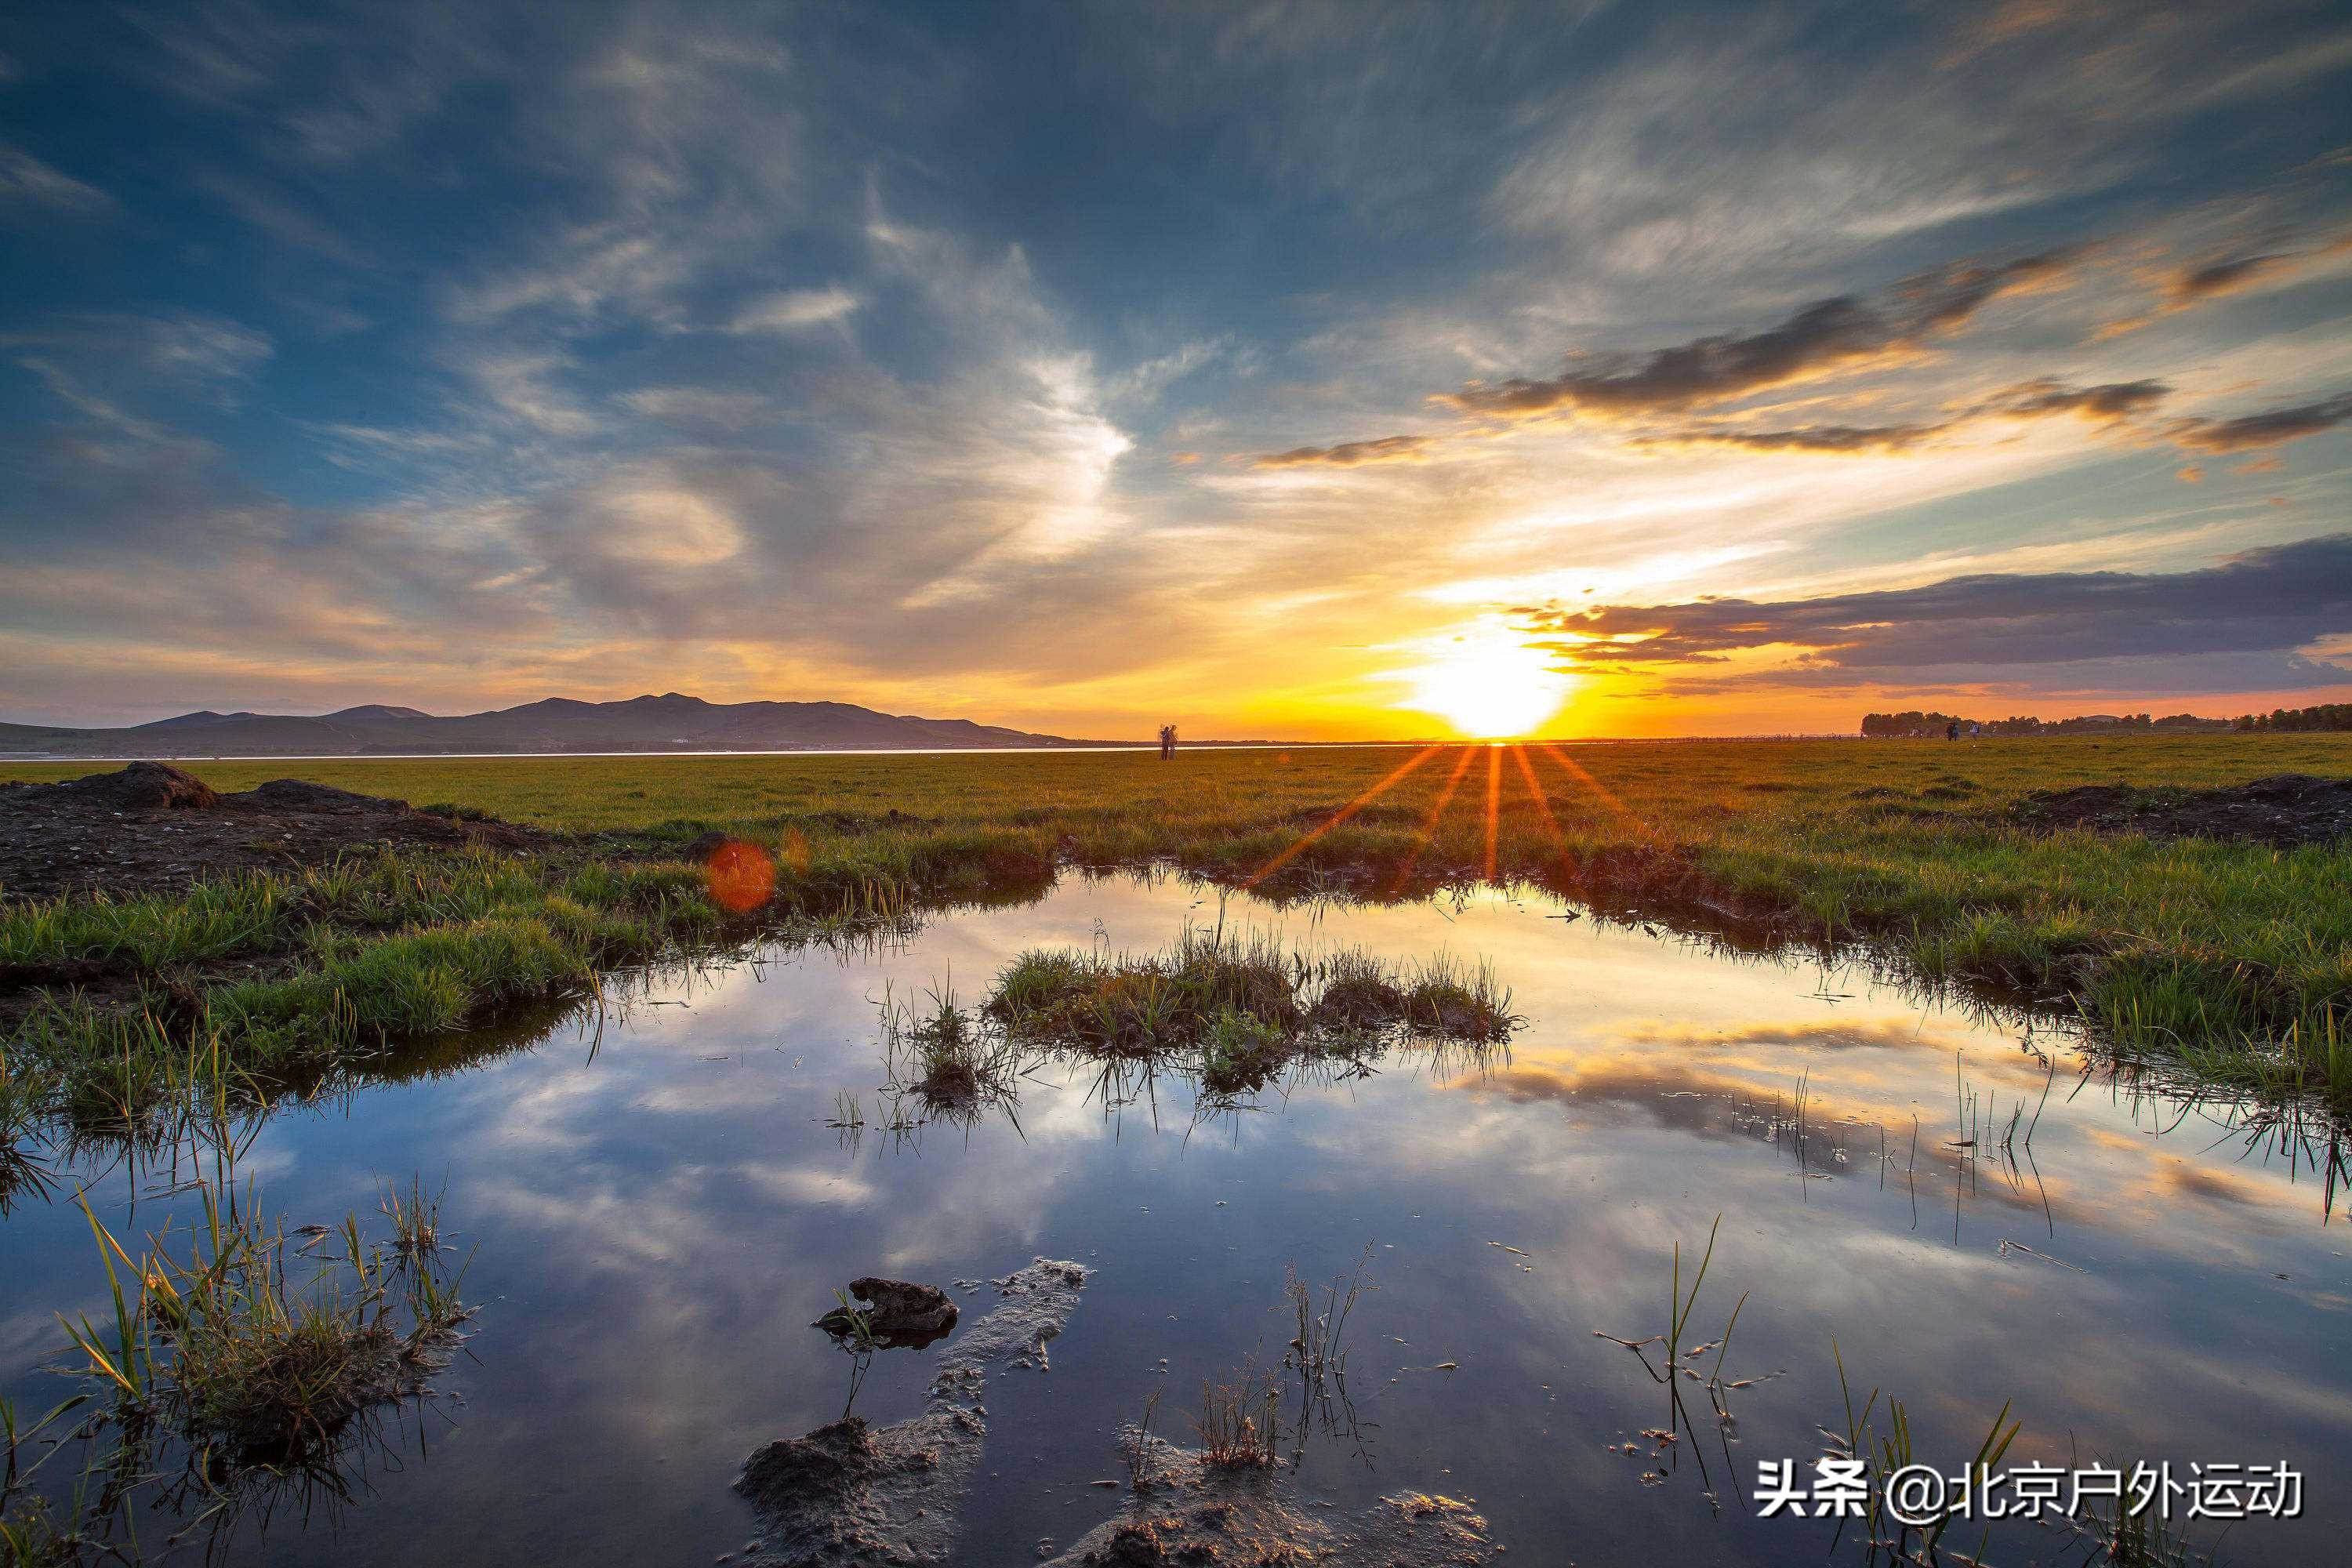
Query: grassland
[2233,958]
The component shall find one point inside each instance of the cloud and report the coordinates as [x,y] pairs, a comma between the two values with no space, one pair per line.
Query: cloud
[186,346]
[701,405]
[521,385]
[793,310]
[1351,454]
[2192,284]
[2270,428]
[24,178]
[1842,439]
[2273,600]
[2107,403]
[2187,286]
[1826,338]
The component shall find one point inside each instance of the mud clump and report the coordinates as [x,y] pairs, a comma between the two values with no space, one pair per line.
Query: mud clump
[897,1315]
[2285,811]
[151,828]
[1361,1004]
[142,786]
[1193,1512]
[851,1494]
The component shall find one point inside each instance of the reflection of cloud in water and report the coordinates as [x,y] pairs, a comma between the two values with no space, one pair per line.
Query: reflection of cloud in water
[657,1228]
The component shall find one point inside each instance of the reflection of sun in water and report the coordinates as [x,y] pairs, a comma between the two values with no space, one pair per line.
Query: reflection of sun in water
[1486,683]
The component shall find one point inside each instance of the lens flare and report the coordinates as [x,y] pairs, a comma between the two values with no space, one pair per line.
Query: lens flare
[740,875]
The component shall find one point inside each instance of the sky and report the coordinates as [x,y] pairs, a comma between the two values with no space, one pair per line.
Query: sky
[1306,371]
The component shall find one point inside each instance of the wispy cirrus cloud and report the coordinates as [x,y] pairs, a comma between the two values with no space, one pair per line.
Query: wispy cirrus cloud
[27,181]
[793,310]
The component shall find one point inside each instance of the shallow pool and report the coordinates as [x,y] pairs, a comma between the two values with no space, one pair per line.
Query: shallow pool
[659,1209]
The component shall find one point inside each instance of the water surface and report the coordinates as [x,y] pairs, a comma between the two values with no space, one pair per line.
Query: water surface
[660,1210]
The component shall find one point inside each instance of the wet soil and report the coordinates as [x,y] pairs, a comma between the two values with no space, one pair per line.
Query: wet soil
[2284,811]
[849,1493]
[151,828]
[1191,1511]
[892,1314]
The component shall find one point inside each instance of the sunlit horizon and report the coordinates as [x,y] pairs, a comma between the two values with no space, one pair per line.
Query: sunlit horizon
[1578,382]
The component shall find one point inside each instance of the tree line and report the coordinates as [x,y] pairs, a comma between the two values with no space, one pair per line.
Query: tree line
[1918,721]
[1923,721]
[2325,716]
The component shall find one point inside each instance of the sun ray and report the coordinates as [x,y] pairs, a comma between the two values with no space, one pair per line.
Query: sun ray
[1337,817]
[1535,792]
[1578,771]
[1494,803]
[1429,824]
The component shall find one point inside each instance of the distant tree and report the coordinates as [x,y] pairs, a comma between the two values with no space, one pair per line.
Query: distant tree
[1920,721]
[2325,716]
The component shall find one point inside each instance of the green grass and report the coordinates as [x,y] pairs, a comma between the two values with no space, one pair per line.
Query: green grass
[2235,959]
[232,1368]
[1234,1008]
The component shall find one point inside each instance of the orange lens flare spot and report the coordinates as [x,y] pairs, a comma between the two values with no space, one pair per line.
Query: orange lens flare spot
[740,875]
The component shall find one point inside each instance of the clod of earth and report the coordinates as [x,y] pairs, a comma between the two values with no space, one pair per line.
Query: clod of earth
[149,827]
[2284,811]
[849,1493]
[1195,1512]
[897,1315]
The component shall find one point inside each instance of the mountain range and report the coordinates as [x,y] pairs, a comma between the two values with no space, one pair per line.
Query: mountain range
[670,722]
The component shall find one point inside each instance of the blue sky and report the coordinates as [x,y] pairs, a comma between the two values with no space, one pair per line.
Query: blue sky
[1280,369]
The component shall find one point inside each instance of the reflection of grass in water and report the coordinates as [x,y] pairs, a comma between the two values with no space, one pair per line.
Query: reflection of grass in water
[371,958]
[1680,1364]
[1883,1454]
[1242,1000]
[26,1093]
[258,1390]
[1135,1450]
[958,1065]
[1452,1002]
[2227,955]
[1239,1423]
[1231,1010]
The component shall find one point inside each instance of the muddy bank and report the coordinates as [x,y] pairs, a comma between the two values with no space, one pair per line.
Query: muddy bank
[850,1493]
[1190,1511]
[2284,811]
[151,828]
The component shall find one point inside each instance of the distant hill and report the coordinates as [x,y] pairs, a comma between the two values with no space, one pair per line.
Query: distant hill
[670,722]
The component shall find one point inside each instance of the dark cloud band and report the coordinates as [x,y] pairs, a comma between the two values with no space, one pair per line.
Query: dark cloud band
[1822,339]
[2272,600]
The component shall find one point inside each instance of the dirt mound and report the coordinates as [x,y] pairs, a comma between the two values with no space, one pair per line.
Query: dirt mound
[301,795]
[2284,811]
[142,786]
[151,828]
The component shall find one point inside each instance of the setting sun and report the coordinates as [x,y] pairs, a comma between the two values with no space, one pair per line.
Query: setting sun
[1488,684]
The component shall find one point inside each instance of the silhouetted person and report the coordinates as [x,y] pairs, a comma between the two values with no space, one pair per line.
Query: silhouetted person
[1952,730]
[1167,742]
